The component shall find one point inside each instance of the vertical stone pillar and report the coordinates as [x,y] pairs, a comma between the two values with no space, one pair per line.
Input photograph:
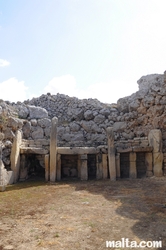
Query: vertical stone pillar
[53,148]
[133,169]
[58,175]
[111,153]
[15,155]
[99,167]
[23,168]
[155,141]
[79,166]
[117,165]
[47,167]
[105,167]
[84,168]
[148,163]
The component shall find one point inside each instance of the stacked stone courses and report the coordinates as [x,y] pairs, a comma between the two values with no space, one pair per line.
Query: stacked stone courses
[84,123]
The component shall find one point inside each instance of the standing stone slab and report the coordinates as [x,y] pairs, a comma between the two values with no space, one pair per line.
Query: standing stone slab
[47,167]
[118,165]
[149,164]
[23,168]
[158,164]
[53,148]
[155,141]
[58,174]
[99,172]
[79,166]
[84,168]
[133,169]
[111,153]
[15,155]
[105,166]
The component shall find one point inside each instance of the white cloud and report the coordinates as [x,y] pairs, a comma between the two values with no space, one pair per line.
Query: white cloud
[13,90]
[4,63]
[64,85]
[107,92]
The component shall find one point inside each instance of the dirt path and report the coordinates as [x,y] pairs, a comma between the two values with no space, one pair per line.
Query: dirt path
[82,215]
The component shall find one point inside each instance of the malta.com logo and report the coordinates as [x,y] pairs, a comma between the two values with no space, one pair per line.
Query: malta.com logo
[126,243]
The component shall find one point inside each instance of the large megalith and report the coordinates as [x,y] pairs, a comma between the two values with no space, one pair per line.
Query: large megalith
[15,155]
[111,153]
[155,141]
[53,148]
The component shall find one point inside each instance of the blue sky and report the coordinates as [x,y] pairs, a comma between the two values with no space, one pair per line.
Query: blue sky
[83,48]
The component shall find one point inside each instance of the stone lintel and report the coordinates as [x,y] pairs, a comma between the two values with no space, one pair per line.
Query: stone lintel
[135,149]
[77,150]
[33,150]
[142,149]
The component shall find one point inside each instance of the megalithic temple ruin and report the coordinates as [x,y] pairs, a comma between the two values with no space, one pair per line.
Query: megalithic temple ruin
[60,137]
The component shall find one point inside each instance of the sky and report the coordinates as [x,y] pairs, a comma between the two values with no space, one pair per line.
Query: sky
[82,48]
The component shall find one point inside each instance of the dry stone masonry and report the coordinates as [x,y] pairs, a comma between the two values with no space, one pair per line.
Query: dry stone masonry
[61,136]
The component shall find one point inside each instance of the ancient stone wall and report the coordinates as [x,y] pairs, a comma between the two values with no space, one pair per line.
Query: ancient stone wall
[83,122]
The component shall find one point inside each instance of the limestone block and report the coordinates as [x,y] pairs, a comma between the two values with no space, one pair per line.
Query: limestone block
[15,155]
[106,111]
[33,150]
[148,161]
[38,133]
[99,119]
[2,136]
[10,177]
[47,131]
[84,168]
[34,122]
[117,158]
[9,134]
[3,174]
[47,167]
[53,148]
[58,174]
[23,112]
[105,166]
[111,153]
[155,140]
[15,123]
[157,164]
[23,168]
[74,127]
[90,126]
[119,126]
[44,123]
[88,115]
[99,170]
[26,129]
[37,112]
